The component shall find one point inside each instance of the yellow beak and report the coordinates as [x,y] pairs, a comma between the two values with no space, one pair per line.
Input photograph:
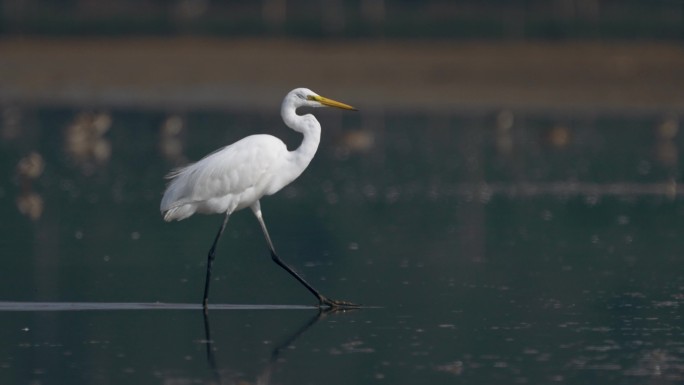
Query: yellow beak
[332,103]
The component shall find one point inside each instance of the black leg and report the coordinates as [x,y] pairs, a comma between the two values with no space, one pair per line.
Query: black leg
[322,300]
[210,261]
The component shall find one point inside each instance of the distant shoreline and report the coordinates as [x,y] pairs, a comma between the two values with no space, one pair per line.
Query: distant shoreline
[188,73]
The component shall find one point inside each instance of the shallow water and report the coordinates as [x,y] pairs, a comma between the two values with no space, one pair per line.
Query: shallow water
[491,247]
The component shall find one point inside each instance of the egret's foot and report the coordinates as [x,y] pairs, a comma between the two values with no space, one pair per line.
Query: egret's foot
[334,304]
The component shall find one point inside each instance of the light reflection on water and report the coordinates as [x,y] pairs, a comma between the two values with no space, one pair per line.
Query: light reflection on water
[499,248]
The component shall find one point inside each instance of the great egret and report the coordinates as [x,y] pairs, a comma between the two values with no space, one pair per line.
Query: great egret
[238,175]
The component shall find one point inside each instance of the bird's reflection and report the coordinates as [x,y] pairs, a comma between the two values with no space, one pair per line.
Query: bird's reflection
[208,342]
[29,169]
[171,139]
[265,375]
[86,141]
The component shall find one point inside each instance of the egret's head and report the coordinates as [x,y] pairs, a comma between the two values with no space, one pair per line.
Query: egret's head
[304,97]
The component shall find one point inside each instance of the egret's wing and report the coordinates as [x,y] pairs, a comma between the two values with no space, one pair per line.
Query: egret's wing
[227,171]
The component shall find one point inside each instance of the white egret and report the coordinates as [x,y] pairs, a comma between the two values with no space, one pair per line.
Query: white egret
[238,175]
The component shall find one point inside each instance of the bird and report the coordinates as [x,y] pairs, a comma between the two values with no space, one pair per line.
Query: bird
[238,175]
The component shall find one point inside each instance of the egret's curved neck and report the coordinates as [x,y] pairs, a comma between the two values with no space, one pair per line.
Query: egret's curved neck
[310,128]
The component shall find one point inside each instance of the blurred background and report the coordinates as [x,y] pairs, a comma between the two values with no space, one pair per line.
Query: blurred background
[508,191]
[357,19]
[441,54]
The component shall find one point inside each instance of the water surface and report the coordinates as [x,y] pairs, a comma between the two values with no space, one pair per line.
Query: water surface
[491,247]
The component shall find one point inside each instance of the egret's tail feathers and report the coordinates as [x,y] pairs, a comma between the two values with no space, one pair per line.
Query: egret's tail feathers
[176,171]
[178,213]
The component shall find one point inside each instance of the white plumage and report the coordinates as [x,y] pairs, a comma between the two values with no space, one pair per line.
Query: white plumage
[227,180]
[238,175]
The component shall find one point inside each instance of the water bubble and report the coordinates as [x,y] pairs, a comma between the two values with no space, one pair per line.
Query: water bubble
[644,167]
[369,191]
[331,198]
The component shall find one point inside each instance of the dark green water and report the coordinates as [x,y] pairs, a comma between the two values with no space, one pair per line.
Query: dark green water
[497,248]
